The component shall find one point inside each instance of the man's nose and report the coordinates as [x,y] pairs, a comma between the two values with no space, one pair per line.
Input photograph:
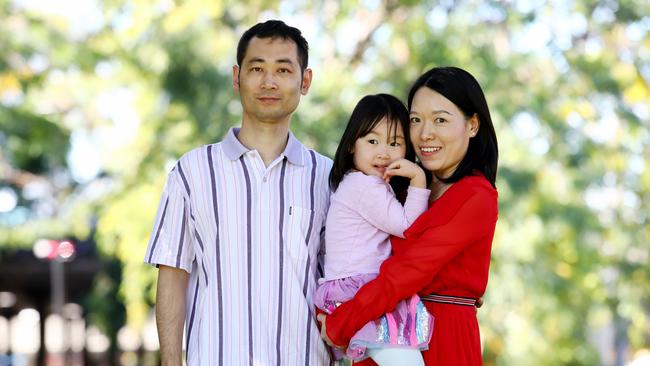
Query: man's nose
[268,81]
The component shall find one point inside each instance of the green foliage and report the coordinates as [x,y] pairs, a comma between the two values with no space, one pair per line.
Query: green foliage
[33,142]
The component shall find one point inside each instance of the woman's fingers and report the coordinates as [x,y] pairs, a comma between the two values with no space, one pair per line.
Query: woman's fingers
[323,334]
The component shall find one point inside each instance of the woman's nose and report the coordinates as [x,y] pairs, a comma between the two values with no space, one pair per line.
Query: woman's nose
[427,132]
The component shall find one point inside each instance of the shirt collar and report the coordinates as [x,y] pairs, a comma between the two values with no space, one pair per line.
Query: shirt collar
[234,149]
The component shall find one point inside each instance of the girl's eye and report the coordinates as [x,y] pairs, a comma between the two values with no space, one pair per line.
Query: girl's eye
[395,144]
[415,120]
[373,142]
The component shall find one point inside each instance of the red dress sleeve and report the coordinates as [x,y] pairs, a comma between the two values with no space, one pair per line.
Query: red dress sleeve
[434,240]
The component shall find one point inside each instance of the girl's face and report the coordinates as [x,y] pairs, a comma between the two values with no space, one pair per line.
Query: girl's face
[373,152]
[440,132]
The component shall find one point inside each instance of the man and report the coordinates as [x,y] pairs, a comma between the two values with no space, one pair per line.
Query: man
[240,223]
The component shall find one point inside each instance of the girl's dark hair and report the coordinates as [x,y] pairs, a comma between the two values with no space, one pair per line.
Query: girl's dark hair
[370,110]
[462,89]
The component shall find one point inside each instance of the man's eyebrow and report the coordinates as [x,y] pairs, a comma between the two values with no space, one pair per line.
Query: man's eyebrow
[256,59]
[284,61]
[280,61]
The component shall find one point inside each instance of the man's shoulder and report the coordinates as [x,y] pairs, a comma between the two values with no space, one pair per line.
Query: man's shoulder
[318,158]
[200,153]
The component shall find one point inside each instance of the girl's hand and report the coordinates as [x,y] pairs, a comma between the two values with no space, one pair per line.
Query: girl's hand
[407,169]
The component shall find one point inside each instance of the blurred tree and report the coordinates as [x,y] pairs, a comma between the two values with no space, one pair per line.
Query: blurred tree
[107,106]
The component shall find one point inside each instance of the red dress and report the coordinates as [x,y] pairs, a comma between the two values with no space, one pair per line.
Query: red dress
[447,252]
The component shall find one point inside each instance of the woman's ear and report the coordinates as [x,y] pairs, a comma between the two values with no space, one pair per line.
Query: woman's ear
[474,125]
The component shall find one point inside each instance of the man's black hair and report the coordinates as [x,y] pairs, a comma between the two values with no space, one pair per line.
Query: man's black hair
[274,29]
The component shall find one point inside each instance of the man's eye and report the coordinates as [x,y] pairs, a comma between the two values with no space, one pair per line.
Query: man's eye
[256,69]
[282,71]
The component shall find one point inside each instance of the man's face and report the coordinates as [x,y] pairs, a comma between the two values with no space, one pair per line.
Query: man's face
[270,80]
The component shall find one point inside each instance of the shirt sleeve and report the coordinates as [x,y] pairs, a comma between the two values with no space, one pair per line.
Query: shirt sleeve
[410,270]
[377,204]
[170,243]
[320,261]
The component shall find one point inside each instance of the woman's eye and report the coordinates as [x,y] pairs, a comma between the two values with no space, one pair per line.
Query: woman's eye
[415,120]
[439,120]
[395,144]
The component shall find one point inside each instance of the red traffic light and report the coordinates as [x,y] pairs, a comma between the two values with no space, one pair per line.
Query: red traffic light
[61,250]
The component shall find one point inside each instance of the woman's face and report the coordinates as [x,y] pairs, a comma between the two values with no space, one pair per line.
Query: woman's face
[440,132]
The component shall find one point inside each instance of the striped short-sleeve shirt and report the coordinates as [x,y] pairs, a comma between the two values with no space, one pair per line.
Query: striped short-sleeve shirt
[250,236]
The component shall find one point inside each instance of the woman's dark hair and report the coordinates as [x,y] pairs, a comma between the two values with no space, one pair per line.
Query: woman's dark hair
[370,110]
[274,29]
[462,89]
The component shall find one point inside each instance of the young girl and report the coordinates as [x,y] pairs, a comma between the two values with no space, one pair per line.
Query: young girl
[363,213]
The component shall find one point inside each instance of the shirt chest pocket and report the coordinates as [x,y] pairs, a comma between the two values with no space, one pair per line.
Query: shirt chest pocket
[302,232]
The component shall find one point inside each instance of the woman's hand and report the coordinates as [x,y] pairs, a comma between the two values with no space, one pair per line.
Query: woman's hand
[323,333]
[407,169]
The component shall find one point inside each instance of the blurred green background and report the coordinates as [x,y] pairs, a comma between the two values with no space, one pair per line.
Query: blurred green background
[98,99]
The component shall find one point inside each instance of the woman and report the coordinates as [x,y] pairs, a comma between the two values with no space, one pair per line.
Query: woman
[445,254]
